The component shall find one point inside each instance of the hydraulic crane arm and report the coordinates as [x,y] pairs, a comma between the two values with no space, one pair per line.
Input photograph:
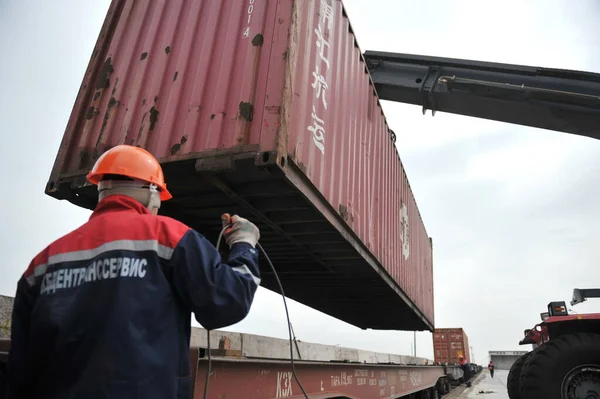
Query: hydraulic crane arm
[580,295]
[562,100]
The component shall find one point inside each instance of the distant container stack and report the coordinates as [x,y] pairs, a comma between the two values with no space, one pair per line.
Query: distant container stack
[449,344]
[266,109]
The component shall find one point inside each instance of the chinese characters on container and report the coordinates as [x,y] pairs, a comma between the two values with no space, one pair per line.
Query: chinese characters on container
[322,33]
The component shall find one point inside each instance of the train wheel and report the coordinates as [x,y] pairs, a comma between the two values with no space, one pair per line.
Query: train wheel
[442,387]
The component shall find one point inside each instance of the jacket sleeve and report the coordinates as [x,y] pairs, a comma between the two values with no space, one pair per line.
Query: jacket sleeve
[18,365]
[218,293]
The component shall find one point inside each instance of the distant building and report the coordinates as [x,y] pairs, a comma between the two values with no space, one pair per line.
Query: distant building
[503,360]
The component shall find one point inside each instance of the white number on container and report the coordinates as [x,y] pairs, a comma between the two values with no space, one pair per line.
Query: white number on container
[246,32]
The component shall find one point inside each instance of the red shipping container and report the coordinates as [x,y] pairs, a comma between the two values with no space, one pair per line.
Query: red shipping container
[449,343]
[265,108]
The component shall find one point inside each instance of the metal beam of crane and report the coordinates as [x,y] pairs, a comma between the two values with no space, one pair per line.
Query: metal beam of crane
[554,99]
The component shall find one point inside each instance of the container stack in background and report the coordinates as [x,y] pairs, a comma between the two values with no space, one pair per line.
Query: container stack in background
[449,344]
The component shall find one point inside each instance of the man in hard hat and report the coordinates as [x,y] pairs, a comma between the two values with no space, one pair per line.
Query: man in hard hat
[104,312]
[466,368]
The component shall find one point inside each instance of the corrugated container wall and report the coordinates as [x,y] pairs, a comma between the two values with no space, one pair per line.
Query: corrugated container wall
[449,343]
[264,108]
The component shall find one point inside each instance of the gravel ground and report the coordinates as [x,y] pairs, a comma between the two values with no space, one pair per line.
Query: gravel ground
[5,315]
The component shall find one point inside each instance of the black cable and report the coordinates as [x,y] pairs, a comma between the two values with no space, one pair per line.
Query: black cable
[209,363]
[287,315]
[208,370]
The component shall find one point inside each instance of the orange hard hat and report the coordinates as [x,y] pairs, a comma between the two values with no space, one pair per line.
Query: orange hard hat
[133,162]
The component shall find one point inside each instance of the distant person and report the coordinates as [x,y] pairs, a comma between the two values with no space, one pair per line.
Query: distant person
[466,368]
[491,367]
[105,311]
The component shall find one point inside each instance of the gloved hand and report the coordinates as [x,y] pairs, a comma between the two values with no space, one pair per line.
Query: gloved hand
[242,230]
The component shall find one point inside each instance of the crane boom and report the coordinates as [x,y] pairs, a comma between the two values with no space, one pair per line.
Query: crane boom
[554,99]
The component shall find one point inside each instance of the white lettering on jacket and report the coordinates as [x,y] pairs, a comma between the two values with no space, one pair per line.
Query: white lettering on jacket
[103,269]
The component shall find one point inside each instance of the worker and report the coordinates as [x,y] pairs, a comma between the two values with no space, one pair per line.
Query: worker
[105,311]
[466,368]
[491,368]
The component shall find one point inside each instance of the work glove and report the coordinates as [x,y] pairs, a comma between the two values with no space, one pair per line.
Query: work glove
[241,230]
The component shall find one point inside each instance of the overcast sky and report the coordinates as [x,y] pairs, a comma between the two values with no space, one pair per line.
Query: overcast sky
[513,211]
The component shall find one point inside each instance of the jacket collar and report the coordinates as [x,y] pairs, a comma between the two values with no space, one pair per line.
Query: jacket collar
[119,203]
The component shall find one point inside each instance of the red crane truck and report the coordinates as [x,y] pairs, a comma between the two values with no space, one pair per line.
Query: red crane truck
[565,361]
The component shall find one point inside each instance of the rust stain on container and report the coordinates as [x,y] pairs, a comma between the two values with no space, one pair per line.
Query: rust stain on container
[177,146]
[168,50]
[343,211]
[302,167]
[111,104]
[114,90]
[143,56]
[91,112]
[246,111]
[291,83]
[258,40]
[153,118]
[142,125]
[346,213]
[104,78]
[85,158]
[175,149]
